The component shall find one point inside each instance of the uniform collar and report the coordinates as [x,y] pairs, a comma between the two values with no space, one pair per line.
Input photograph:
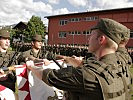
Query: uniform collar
[2,54]
[36,55]
[108,57]
[122,49]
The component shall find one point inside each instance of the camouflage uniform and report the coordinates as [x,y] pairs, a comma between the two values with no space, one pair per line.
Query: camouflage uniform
[6,60]
[95,80]
[30,53]
[125,59]
[42,54]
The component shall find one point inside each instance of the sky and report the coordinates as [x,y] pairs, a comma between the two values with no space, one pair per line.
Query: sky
[14,11]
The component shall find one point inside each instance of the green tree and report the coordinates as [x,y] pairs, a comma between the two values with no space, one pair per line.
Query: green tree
[35,26]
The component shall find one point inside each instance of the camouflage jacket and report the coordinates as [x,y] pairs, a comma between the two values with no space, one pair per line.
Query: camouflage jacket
[30,53]
[95,80]
[6,60]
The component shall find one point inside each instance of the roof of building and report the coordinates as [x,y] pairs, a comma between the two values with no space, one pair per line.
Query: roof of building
[20,23]
[107,10]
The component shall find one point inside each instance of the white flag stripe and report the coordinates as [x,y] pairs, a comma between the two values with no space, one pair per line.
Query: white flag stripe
[38,89]
[20,81]
[22,95]
[7,94]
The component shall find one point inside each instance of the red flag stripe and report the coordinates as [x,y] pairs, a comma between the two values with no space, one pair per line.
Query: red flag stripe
[2,88]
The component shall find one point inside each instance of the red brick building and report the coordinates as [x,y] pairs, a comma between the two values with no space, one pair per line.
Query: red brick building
[74,28]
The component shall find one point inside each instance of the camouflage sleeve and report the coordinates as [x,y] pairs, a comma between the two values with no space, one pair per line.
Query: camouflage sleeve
[70,78]
[21,59]
[66,79]
[49,55]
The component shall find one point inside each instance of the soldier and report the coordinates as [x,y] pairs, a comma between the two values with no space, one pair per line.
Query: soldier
[35,53]
[99,78]
[7,59]
[125,59]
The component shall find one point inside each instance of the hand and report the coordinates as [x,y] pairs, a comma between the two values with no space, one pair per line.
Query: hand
[78,58]
[30,64]
[74,61]
[60,57]
[1,72]
[46,62]
[38,71]
[3,76]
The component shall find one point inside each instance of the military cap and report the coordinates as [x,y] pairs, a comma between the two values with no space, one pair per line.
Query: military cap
[114,30]
[4,33]
[126,36]
[37,37]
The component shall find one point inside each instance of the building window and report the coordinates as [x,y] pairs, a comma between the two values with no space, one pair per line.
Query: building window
[69,32]
[131,34]
[91,18]
[74,32]
[74,19]
[86,32]
[63,22]
[77,32]
[62,34]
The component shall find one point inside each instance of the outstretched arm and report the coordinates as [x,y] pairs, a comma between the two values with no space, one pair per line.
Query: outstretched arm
[74,61]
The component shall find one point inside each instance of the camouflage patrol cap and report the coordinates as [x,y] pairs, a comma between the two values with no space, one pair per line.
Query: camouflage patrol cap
[114,30]
[126,36]
[4,33]
[37,37]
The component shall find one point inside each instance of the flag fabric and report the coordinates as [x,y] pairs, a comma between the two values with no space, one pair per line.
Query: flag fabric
[22,82]
[6,93]
[32,88]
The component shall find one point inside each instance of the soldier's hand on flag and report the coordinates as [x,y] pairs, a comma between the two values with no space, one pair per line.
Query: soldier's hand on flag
[46,62]
[36,70]
[30,64]
[3,76]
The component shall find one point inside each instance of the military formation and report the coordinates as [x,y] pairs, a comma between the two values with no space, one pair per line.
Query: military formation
[66,50]
[103,73]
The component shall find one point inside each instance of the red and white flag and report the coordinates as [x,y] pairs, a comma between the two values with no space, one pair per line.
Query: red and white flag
[32,88]
[6,93]
[23,82]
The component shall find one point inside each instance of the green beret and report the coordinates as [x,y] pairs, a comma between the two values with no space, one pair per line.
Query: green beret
[4,33]
[114,30]
[37,37]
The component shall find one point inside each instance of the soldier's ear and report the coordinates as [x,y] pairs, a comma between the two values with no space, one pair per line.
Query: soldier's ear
[32,43]
[102,39]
